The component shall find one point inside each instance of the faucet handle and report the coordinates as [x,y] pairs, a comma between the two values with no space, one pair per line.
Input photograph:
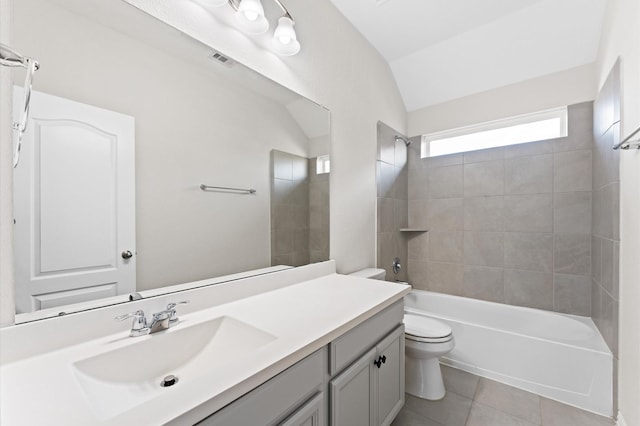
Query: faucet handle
[137,314]
[139,325]
[171,307]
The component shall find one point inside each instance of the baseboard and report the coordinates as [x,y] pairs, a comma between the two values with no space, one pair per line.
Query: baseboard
[620,421]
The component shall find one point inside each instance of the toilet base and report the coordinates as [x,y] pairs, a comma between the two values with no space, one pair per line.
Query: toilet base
[423,378]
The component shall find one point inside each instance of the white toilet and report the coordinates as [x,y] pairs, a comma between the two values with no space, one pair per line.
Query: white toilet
[425,339]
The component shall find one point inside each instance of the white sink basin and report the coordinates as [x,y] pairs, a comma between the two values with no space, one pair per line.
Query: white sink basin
[120,379]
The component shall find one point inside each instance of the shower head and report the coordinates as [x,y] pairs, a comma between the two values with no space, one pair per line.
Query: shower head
[406,141]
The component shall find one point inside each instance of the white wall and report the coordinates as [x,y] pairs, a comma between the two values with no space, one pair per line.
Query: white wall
[319,146]
[6,177]
[621,37]
[563,88]
[336,68]
[532,41]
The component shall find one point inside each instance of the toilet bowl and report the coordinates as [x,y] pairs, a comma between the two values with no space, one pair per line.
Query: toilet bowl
[426,339]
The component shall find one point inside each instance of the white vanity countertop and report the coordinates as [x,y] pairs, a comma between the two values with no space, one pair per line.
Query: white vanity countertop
[297,320]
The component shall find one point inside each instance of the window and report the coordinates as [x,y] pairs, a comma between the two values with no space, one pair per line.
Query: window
[538,126]
[322,164]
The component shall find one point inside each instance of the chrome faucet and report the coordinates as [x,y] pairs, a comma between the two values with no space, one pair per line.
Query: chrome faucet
[159,321]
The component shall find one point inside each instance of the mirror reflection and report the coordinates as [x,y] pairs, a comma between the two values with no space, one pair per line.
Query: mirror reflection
[129,118]
[299,209]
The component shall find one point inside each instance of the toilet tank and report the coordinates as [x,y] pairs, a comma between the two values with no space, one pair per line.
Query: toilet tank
[373,273]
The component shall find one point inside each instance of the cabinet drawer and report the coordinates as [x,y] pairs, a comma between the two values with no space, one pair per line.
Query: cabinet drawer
[275,399]
[353,344]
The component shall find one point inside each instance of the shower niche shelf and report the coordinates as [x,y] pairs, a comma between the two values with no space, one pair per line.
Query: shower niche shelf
[414,230]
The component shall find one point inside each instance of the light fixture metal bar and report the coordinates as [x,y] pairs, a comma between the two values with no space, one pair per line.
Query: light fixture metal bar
[284,9]
[236,3]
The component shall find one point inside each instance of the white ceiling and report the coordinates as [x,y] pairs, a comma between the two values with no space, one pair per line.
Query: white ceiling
[441,50]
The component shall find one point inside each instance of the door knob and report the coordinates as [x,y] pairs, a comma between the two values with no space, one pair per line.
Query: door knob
[127,254]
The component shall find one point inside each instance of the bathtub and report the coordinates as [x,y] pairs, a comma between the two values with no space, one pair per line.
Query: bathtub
[562,357]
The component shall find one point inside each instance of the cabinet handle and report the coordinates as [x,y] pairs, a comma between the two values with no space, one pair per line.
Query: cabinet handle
[381,360]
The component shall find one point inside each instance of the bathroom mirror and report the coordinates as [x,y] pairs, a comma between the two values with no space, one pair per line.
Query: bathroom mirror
[191,117]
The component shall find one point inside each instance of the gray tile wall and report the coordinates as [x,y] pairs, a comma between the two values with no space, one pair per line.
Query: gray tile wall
[509,225]
[605,238]
[299,211]
[318,214]
[392,196]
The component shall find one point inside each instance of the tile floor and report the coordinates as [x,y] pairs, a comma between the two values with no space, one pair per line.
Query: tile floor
[476,401]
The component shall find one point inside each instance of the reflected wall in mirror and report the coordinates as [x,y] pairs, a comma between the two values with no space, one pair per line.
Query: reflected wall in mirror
[299,209]
[195,120]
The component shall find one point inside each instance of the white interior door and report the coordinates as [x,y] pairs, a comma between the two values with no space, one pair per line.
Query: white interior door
[74,204]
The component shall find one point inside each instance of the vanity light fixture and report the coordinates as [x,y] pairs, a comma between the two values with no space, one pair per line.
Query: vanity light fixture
[250,19]
[285,42]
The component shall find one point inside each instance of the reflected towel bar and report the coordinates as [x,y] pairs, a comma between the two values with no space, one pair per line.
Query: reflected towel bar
[628,142]
[223,188]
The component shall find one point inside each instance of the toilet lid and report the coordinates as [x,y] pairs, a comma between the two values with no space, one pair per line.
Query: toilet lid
[425,327]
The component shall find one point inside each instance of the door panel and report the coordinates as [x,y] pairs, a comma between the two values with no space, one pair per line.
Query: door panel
[60,298]
[74,204]
[352,396]
[391,377]
[77,187]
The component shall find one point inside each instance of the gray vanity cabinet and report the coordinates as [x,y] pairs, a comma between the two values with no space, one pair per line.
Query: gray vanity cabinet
[356,380]
[294,397]
[370,392]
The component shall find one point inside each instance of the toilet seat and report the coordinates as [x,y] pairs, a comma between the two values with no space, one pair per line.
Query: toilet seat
[428,339]
[424,329]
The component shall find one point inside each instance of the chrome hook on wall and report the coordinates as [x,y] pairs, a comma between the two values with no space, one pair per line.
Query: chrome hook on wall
[11,58]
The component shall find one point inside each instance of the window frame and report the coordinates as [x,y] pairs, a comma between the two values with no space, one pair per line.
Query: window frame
[560,112]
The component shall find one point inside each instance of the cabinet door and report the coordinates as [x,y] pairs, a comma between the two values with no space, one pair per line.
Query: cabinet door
[390,377]
[310,414]
[352,396]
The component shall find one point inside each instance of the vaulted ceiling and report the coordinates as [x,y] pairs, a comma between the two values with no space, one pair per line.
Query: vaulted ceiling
[441,50]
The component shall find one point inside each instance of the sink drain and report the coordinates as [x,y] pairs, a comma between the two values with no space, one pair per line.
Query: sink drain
[170,380]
